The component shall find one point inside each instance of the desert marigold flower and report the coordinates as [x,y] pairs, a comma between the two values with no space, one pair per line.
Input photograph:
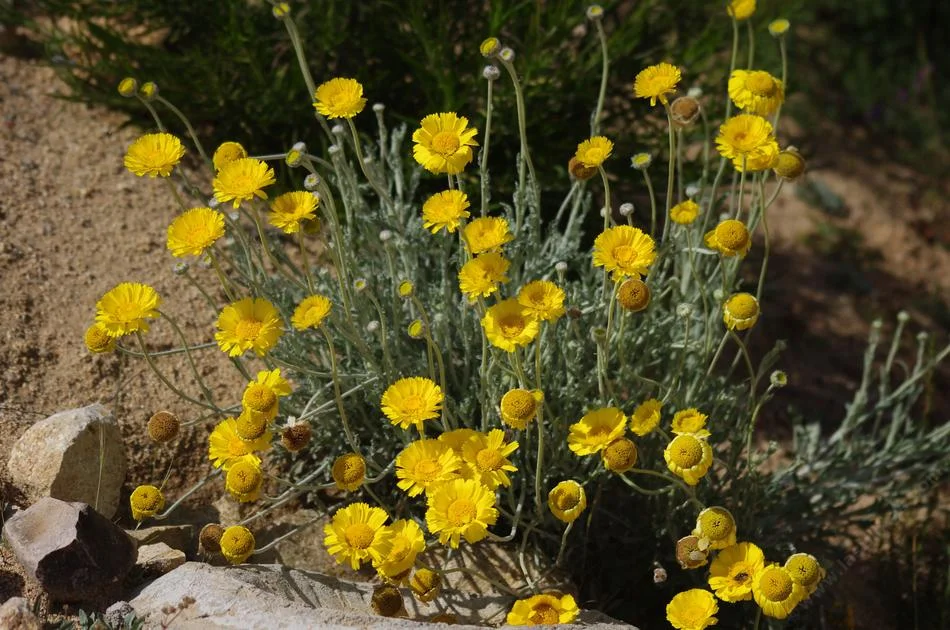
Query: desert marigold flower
[655,82]
[625,251]
[741,311]
[633,294]
[730,575]
[641,161]
[692,610]
[261,395]
[281,10]
[487,456]
[292,209]
[509,326]
[251,425]
[311,312]
[543,299]
[688,553]
[689,457]
[127,87]
[416,329]
[595,430]
[457,438]
[424,465]
[790,165]
[355,534]
[401,542]
[684,212]
[349,471]
[593,151]
[646,417]
[126,308]
[425,585]
[567,500]
[489,47]
[411,401]
[747,140]
[242,180]
[237,544]
[715,528]
[805,571]
[620,455]
[729,238]
[296,436]
[690,421]
[339,98]
[481,276]
[778,28]
[244,480]
[406,289]
[486,234]
[684,111]
[520,406]
[154,154]
[163,427]
[146,502]
[741,9]
[98,340]
[225,446]
[443,143]
[226,153]
[776,593]
[756,91]
[461,508]
[248,324]
[194,231]
[445,210]
[543,610]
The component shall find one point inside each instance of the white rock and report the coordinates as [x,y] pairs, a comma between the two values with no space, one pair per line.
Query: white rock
[159,559]
[16,614]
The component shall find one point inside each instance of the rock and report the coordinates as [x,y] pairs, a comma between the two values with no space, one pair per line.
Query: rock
[181,537]
[59,457]
[73,551]
[158,559]
[16,614]
[116,613]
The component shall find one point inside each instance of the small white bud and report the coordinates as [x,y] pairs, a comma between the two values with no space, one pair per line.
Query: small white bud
[718,295]
[300,147]
[180,268]
[234,215]
[692,190]
[360,284]
[684,309]
[385,235]
[338,130]
[903,317]
[491,73]
[595,12]
[626,209]
[213,202]
[378,107]
[507,54]
[334,149]
[659,575]
[560,266]
[372,326]
[778,378]
[311,181]
[695,91]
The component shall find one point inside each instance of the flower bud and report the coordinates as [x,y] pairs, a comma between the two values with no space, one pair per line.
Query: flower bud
[507,55]
[180,268]
[281,10]
[692,190]
[560,266]
[684,111]
[789,165]
[294,158]
[406,289]
[491,73]
[641,161]
[379,107]
[296,437]
[128,86]
[372,326]
[338,129]
[595,12]
[579,171]
[311,181]
[490,47]
[416,329]
[778,378]
[385,235]
[694,91]
[387,601]
[149,91]
[779,27]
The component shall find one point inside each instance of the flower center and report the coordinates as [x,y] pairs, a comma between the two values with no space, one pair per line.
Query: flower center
[127,311]
[621,453]
[741,573]
[595,155]
[237,447]
[519,404]
[426,469]
[761,83]
[624,254]
[544,614]
[732,234]
[248,329]
[742,307]
[686,451]
[512,325]
[359,535]
[461,512]
[260,398]
[489,459]
[776,585]
[598,434]
[400,550]
[567,499]
[243,479]
[412,405]
[251,426]
[804,568]
[445,142]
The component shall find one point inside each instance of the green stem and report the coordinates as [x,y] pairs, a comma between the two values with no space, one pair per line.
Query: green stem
[672,172]
[191,361]
[305,262]
[191,130]
[383,195]
[525,156]
[336,392]
[483,157]
[604,72]
[161,377]
[646,178]
[608,219]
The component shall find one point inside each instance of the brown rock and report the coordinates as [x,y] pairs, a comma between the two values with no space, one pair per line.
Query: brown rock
[158,559]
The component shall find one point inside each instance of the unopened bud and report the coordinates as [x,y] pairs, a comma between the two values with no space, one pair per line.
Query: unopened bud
[490,47]
[127,87]
[491,73]
[595,12]
[311,181]
[507,55]
[684,111]
[626,209]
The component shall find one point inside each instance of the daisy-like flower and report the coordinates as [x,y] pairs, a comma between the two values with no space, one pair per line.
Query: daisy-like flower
[741,9]
[625,251]
[655,82]
[311,312]
[225,446]
[508,325]
[567,500]
[249,324]
[98,340]
[694,609]
[242,180]
[445,210]
[595,430]
[154,154]
[261,395]
[748,141]
[194,231]
[689,457]
[291,209]
[487,456]
[620,455]
[548,609]
[805,571]
[486,234]
[756,91]
[543,299]
[593,151]
[227,153]
[729,238]
[690,421]
[481,276]
[400,543]
[443,143]
[684,212]
[425,465]
[641,161]
[740,312]
[355,534]
[778,28]
[730,575]
[244,480]
[776,593]
[715,528]
[237,544]
[339,98]
[633,294]
[457,438]
[146,502]
[126,308]
[251,425]
[411,401]
[519,407]
[646,417]
[349,471]
[461,508]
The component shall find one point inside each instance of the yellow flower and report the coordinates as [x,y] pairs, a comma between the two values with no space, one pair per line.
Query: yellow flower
[457,438]
[225,446]
[748,141]
[445,210]
[146,502]
[349,471]
[805,571]
[126,308]
[715,528]
[339,98]
[355,534]
[400,543]
[461,508]
[633,294]
[251,425]
[689,457]
[98,340]
[620,455]
[519,407]
[311,312]
[625,251]
[741,9]
[509,326]
[641,161]
[242,180]
[486,234]
[154,154]
[595,430]
[778,28]
[249,324]
[655,82]
[481,276]
[593,151]
[646,417]
[756,91]
[692,610]
[487,456]
[411,401]
[684,212]
[227,153]
[543,299]
[776,593]
[244,480]
[730,238]
[194,231]
[237,544]
[127,87]
[424,465]
[261,395]
[543,610]
[425,585]
[730,575]
[690,421]
[289,210]
[567,500]
[789,165]
[443,143]
[741,311]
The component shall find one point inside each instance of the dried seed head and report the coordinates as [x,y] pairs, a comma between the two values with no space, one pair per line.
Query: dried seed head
[209,540]
[387,601]
[579,171]
[163,427]
[296,437]
[684,111]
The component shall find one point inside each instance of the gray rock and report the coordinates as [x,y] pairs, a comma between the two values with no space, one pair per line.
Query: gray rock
[158,559]
[181,537]
[16,614]
[73,551]
[116,613]
[59,457]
